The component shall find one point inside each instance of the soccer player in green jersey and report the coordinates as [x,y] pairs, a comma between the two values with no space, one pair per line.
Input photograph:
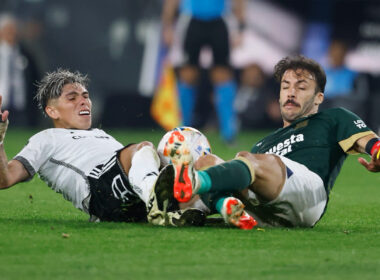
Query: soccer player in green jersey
[289,173]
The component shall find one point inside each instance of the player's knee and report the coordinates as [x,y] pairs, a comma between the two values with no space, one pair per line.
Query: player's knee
[257,157]
[258,162]
[143,144]
[206,161]
[266,165]
[250,159]
[189,75]
[220,74]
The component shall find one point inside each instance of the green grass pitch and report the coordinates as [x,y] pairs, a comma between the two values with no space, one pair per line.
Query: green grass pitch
[42,236]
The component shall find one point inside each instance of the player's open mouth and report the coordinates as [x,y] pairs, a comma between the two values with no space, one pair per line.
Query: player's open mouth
[84,113]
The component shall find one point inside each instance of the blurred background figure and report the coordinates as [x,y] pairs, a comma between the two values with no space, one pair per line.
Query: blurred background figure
[340,79]
[345,87]
[256,101]
[18,74]
[202,24]
[122,56]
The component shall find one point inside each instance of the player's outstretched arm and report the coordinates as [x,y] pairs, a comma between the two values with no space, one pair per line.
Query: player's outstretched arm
[10,172]
[369,144]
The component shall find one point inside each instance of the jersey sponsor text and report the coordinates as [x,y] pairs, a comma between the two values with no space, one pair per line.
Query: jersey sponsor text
[285,147]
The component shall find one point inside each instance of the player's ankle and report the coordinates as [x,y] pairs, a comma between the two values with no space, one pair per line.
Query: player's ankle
[202,181]
[219,205]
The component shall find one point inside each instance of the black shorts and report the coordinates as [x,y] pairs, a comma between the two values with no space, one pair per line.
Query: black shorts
[212,33]
[112,196]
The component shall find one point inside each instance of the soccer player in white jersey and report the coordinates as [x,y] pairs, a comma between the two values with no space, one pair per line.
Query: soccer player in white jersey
[99,175]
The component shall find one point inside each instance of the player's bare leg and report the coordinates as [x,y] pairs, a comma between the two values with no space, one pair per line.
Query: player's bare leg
[207,161]
[268,170]
[270,174]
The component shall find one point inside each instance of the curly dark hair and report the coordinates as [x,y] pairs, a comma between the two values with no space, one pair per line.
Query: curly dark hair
[301,62]
[51,85]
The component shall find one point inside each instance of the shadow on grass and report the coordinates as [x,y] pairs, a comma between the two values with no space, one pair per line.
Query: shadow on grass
[211,223]
[74,223]
[83,224]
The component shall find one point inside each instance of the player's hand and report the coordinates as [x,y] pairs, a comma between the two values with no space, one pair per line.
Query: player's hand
[374,164]
[168,35]
[4,115]
[3,122]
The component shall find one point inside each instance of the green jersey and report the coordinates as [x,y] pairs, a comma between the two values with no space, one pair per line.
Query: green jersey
[320,141]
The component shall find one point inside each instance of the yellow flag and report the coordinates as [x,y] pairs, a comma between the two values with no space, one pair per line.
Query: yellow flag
[165,105]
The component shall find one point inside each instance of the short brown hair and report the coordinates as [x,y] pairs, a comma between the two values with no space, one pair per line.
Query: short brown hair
[301,62]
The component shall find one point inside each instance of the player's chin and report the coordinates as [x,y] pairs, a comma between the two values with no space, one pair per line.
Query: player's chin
[289,115]
[84,124]
[88,126]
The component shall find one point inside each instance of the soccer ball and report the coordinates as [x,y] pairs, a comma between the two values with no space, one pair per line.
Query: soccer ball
[195,140]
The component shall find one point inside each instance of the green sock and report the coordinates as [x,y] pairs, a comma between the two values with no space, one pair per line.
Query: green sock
[214,200]
[205,182]
[219,204]
[229,176]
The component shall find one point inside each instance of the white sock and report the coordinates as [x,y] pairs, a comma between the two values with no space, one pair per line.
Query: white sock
[144,171]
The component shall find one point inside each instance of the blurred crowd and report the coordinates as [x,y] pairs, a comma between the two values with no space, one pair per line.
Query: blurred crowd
[260,36]
[19,72]
[224,81]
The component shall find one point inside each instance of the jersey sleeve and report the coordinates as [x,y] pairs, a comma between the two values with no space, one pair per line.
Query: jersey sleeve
[255,149]
[350,128]
[36,152]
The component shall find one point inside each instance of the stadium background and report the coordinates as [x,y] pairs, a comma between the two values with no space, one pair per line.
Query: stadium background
[117,43]
[42,236]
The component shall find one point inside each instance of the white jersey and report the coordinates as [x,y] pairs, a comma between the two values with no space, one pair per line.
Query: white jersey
[64,157]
